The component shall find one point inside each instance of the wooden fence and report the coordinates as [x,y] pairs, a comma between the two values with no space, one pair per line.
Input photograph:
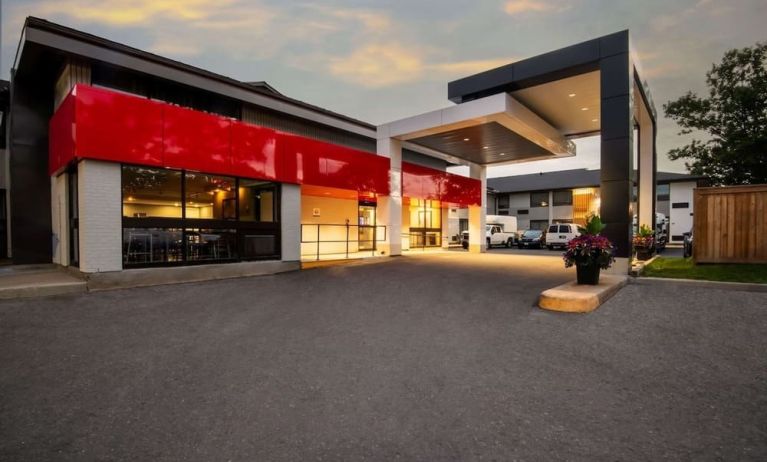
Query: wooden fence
[730,224]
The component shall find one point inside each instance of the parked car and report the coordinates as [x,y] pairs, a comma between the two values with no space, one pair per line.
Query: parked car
[532,238]
[558,235]
[687,245]
[501,230]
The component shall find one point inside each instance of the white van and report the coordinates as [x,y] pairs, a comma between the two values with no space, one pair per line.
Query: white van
[559,234]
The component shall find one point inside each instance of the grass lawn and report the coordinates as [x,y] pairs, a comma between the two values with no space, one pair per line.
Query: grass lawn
[684,268]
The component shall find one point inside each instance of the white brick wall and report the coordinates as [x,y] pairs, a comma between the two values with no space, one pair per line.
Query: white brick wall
[100,216]
[290,217]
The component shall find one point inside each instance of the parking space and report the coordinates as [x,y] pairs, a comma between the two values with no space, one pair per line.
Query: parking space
[440,356]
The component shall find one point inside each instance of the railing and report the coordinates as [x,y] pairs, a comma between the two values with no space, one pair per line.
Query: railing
[340,241]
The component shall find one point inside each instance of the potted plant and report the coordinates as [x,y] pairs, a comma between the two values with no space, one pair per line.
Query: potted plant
[644,243]
[589,252]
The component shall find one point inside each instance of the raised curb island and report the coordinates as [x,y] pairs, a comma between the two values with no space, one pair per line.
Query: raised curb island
[573,298]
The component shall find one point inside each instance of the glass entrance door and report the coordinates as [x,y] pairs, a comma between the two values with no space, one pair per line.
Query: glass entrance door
[425,223]
[367,226]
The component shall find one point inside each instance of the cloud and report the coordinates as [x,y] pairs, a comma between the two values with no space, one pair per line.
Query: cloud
[515,7]
[384,64]
[132,12]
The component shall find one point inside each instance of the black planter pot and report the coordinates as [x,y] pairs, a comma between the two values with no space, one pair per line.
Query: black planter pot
[644,253]
[588,274]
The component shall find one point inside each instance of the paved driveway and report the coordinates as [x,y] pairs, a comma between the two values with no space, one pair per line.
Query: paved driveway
[433,357]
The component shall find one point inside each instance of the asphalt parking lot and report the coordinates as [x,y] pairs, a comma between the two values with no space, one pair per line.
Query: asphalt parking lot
[427,357]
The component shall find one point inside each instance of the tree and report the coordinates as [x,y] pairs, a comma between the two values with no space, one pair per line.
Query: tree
[734,116]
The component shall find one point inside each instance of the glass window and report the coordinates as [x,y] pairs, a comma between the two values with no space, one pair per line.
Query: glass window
[257,201]
[680,205]
[151,192]
[210,196]
[553,228]
[211,244]
[563,197]
[564,229]
[142,246]
[523,212]
[503,201]
[425,214]
[662,192]
[539,199]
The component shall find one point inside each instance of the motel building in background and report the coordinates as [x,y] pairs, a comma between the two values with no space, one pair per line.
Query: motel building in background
[124,165]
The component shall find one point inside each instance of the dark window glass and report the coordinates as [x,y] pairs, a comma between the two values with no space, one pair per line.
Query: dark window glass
[539,199]
[564,229]
[680,205]
[210,196]
[677,237]
[553,228]
[151,192]
[257,201]
[143,246]
[539,224]
[503,212]
[523,212]
[662,192]
[503,201]
[563,197]
[211,244]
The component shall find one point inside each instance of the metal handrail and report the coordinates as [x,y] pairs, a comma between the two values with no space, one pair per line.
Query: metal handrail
[350,236]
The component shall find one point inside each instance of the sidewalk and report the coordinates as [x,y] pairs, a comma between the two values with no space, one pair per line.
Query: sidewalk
[23,281]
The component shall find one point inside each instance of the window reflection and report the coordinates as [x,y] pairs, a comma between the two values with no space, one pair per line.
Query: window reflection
[210,196]
[211,244]
[151,245]
[257,201]
[151,192]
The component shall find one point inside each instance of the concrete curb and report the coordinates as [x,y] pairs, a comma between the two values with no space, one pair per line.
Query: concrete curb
[741,286]
[573,298]
[42,290]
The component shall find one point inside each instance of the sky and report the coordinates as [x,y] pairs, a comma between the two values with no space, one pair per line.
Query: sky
[380,61]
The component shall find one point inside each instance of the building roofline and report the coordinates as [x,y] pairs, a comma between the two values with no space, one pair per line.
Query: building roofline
[263,91]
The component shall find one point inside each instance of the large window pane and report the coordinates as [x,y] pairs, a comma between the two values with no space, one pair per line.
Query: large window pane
[210,196]
[144,246]
[563,197]
[211,244]
[257,201]
[151,192]
[539,199]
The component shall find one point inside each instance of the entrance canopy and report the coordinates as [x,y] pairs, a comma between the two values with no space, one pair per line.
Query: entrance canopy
[491,130]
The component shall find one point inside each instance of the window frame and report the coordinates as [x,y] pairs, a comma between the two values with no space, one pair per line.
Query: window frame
[538,204]
[241,228]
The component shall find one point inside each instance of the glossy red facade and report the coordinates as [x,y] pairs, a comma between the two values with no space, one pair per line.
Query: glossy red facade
[94,123]
[426,183]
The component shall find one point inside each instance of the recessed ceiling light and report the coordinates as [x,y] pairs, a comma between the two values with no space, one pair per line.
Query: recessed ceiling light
[584,109]
[484,147]
[571,95]
[502,154]
[595,120]
[466,139]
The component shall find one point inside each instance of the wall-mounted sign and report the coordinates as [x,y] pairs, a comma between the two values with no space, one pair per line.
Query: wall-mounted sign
[315,212]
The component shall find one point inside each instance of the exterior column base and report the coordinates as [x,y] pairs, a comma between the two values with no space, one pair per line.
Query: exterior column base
[391,250]
[622,267]
[477,248]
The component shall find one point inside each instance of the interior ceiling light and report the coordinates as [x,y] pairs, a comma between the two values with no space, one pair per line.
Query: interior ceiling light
[595,120]
[466,139]
[571,95]
[584,109]
[484,147]
[502,154]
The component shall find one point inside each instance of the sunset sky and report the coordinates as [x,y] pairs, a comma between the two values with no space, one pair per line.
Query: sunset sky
[379,61]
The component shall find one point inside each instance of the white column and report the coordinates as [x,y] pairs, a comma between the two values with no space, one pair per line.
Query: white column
[100,216]
[646,186]
[389,208]
[290,222]
[478,214]
[60,219]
